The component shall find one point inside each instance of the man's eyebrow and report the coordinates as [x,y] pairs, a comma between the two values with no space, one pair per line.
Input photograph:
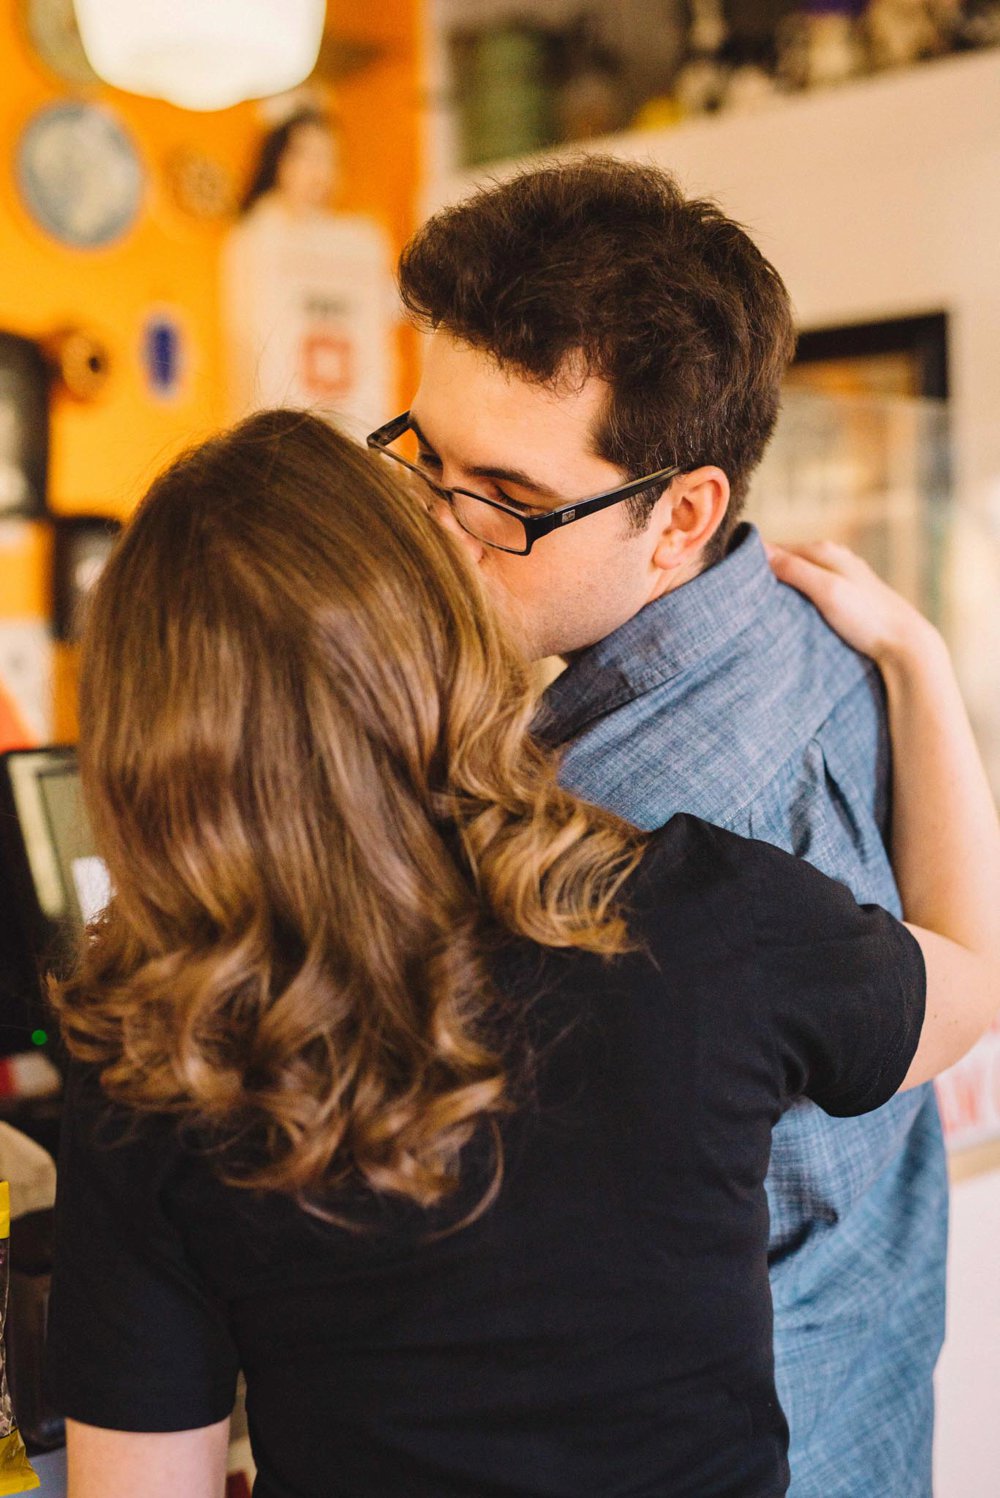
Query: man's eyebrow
[515,476]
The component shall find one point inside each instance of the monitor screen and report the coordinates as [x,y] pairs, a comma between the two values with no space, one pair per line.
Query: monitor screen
[68,880]
[52,883]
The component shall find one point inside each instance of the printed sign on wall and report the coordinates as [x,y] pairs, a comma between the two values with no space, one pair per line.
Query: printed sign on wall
[26,673]
[310,316]
[969,1095]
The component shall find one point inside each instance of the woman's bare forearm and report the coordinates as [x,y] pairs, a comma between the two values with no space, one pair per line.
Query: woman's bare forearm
[946,851]
[945,833]
[126,1464]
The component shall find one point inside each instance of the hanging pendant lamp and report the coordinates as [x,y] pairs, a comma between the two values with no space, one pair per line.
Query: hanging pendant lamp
[202,54]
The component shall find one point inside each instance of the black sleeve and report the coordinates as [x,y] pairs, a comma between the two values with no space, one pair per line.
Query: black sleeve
[844,983]
[135,1340]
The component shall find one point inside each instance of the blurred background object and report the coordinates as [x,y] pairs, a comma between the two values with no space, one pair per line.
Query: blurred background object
[83,544]
[79,363]
[55,36]
[200,185]
[80,175]
[24,426]
[307,292]
[871,472]
[202,56]
[518,79]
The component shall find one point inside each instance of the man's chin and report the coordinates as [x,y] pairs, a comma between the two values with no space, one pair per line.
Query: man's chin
[539,639]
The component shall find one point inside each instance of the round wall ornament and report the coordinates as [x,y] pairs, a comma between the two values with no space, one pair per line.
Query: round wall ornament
[79,174]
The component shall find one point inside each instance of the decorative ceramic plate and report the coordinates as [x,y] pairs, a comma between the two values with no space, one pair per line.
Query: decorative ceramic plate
[79,174]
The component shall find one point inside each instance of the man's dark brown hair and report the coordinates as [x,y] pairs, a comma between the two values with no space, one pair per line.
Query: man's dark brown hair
[603,267]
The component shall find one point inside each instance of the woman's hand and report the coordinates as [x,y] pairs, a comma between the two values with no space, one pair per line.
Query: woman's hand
[864,610]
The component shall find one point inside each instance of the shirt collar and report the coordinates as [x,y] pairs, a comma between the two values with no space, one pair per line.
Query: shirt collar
[667,637]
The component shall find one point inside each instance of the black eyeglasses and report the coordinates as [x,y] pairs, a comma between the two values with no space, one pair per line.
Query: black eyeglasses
[504,525]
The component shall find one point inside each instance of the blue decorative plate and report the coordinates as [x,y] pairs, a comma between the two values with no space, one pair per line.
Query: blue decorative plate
[79,174]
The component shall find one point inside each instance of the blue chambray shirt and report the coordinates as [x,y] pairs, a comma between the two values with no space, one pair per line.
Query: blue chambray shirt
[731,698]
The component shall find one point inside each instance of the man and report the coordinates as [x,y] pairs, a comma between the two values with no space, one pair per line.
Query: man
[591,327]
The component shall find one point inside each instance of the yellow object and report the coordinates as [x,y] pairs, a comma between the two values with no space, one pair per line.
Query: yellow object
[660,113]
[16,1473]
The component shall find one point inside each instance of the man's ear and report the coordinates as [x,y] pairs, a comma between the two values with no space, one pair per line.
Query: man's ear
[696,507]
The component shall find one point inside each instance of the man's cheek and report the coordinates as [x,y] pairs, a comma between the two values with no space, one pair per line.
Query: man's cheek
[517,612]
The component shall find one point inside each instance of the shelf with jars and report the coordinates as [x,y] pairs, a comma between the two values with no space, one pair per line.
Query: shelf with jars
[508,81]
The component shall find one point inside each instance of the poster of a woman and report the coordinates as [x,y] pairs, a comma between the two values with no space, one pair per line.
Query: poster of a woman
[308,296]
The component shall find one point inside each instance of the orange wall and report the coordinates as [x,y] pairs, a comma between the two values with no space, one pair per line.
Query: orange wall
[104,452]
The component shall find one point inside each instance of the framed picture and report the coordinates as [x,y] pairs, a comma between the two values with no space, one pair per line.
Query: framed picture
[862,450]
[896,357]
[83,544]
[24,428]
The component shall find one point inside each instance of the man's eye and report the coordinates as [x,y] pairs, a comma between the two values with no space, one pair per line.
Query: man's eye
[429,460]
[517,504]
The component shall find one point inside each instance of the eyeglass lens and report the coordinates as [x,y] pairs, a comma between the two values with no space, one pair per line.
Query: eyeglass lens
[475,516]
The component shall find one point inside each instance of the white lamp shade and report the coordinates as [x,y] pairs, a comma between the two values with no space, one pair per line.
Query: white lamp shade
[202,54]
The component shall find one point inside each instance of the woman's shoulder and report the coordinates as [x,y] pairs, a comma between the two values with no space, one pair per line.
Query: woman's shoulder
[689,898]
[110,1141]
[691,855]
[725,886]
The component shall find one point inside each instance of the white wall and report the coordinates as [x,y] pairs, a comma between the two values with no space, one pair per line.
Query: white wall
[967,1442]
[874,200]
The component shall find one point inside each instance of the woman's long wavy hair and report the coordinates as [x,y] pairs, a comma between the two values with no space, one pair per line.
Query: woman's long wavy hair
[306,756]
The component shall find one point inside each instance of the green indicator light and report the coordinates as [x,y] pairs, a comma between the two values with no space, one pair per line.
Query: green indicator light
[39,1037]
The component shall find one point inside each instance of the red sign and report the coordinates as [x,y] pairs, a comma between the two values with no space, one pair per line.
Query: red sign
[326,366]
[969,1094]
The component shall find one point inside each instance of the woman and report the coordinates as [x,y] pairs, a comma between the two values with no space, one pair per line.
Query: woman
[298,158]
[441,1102]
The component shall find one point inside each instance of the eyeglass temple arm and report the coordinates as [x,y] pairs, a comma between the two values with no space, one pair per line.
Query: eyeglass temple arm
[542,525]
[388,433]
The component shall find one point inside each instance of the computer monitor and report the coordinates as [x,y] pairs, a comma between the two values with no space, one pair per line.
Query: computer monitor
[52,883]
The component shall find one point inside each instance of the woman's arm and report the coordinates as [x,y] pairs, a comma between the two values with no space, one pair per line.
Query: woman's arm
[945,832]
[123,1464]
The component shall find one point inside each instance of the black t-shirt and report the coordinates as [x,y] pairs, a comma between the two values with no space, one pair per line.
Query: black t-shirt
[605,1327]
